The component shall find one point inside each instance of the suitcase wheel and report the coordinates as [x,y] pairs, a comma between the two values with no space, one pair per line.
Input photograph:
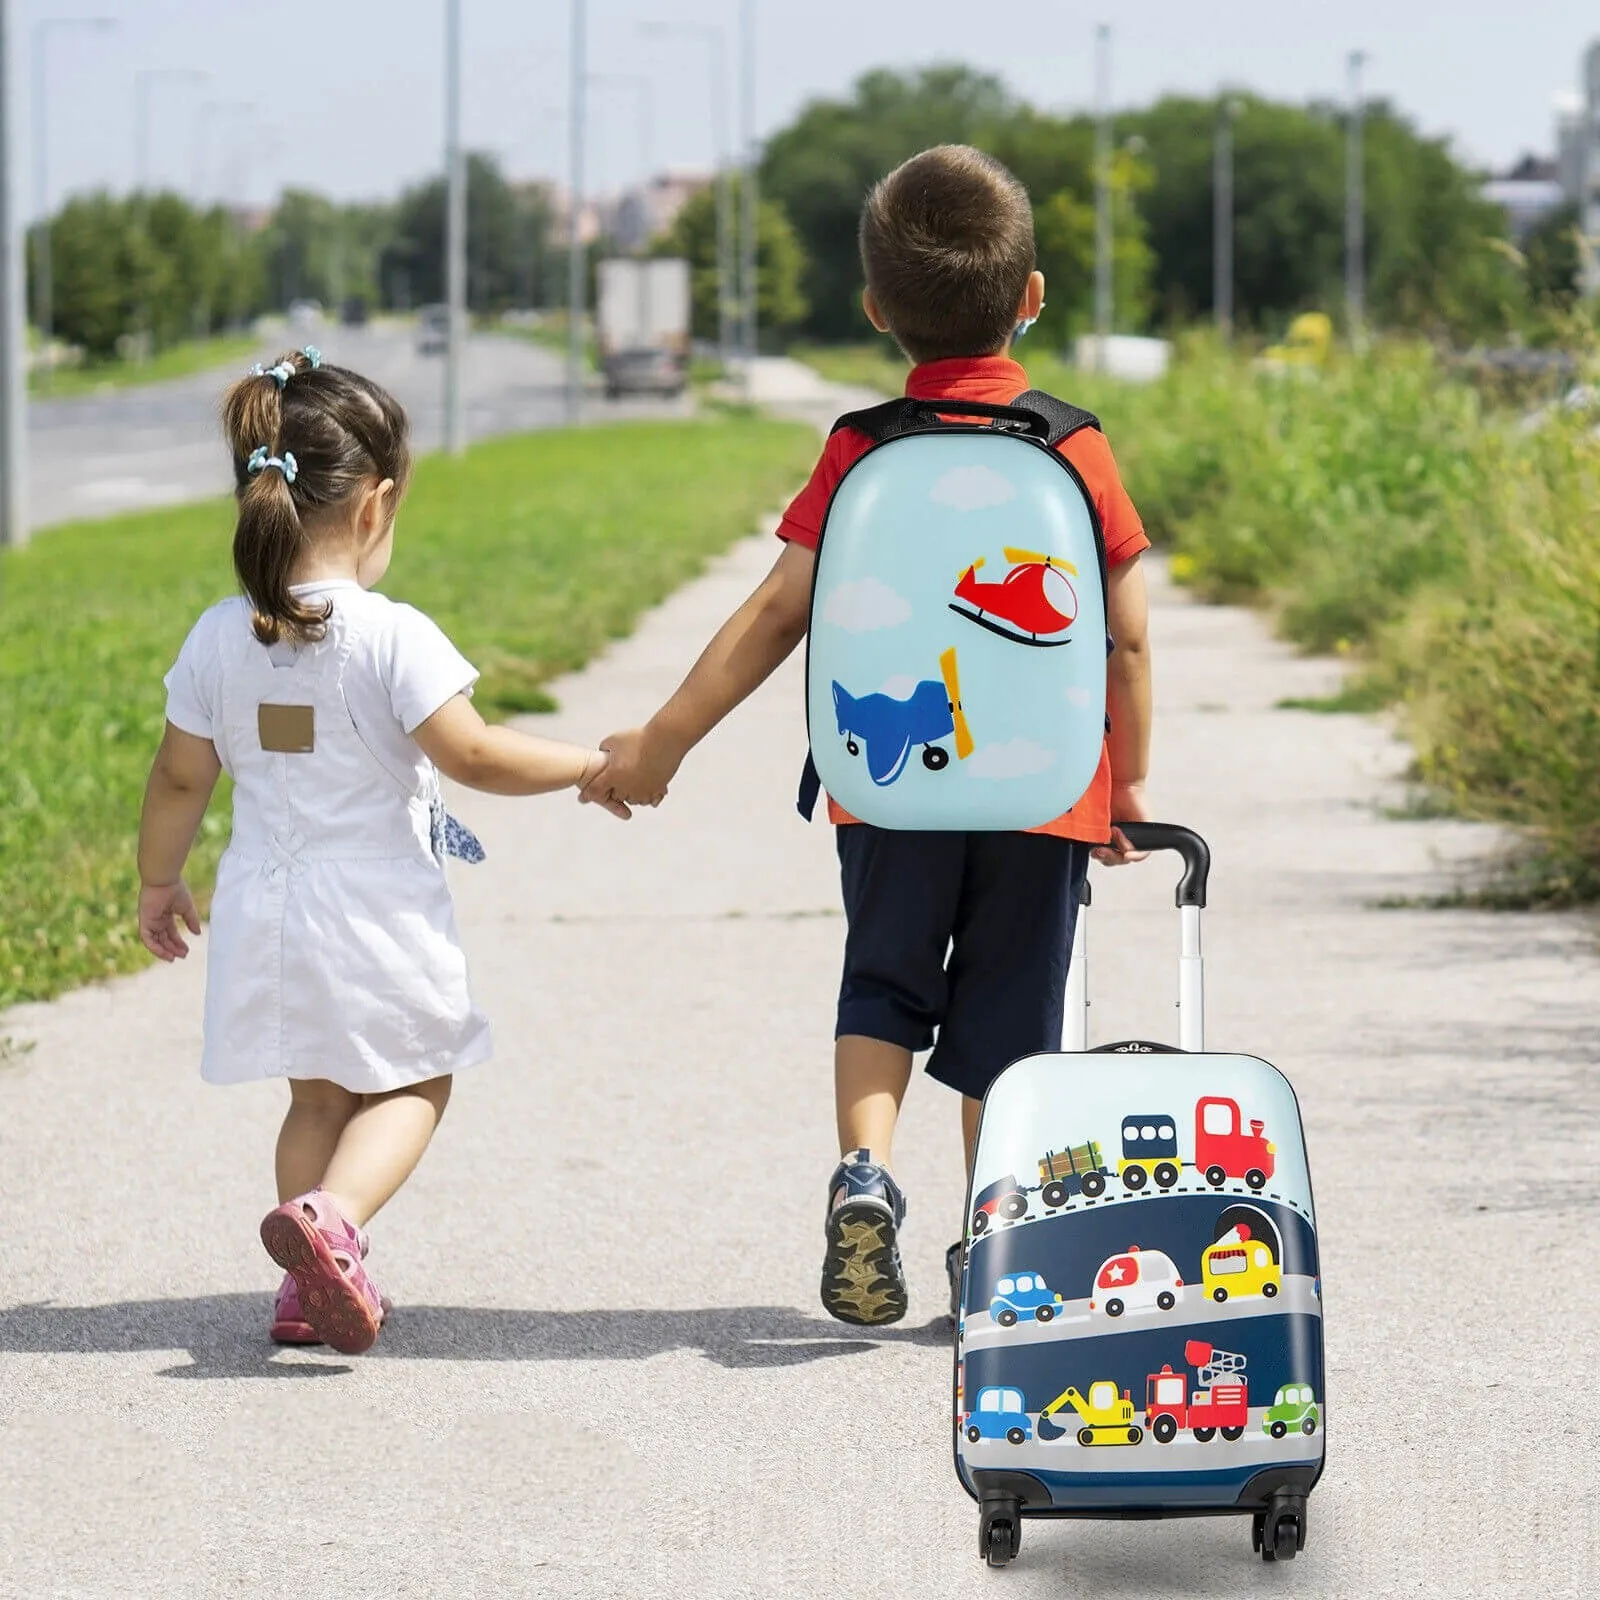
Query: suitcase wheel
[1279,1532]
[1000,1532]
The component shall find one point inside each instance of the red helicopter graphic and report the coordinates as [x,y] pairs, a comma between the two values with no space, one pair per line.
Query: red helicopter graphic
[1034,600]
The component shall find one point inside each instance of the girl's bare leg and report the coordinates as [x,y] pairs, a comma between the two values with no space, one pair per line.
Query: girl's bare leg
[380,1145]
[317,1116]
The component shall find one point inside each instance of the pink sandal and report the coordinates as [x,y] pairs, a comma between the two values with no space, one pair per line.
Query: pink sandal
[289,1325]
[321,1251]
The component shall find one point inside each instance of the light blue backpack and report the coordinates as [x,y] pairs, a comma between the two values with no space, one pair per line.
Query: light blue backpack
[956,663]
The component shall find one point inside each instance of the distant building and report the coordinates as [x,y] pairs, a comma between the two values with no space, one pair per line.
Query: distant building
[641,214]
[1530,191]
[1578,157]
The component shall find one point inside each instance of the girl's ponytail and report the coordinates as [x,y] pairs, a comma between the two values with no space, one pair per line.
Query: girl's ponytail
[304,438]
[268,536]
[267,540]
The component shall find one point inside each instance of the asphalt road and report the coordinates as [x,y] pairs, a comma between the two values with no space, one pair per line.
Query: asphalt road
[160,444]
[608,1377]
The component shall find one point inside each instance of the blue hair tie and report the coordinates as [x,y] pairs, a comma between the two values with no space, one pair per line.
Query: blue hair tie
[313,356]
[261,458]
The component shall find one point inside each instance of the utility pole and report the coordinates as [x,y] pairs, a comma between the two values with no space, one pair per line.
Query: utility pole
[455,437]
[751,197]
[1222,220]
[716,43]
[577,289]
[1354,203]
[1102,196]
[13,316]
[143,81]
[41,165]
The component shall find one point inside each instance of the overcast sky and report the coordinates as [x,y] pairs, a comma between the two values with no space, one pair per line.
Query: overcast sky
[348,94]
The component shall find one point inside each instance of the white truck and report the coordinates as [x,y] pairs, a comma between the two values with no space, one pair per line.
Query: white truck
[643,324]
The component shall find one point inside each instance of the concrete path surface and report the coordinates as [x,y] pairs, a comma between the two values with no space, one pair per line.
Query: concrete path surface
[608,1376]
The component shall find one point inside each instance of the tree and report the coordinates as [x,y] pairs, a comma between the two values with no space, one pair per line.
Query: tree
[780,262]
[820,167]
[104,270]
[505,231]
[1435,255]
[1552,261]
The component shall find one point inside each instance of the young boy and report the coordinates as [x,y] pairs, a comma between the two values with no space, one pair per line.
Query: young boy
[963,937]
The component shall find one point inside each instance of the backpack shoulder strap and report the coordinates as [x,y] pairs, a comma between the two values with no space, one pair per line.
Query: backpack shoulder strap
[885,421]
[1065,420]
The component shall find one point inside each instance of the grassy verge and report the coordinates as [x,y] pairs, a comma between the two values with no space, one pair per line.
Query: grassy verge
[180,361]
[532,552]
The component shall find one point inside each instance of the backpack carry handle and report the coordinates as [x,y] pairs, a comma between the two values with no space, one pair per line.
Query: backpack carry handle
[1008,419]
[893,418]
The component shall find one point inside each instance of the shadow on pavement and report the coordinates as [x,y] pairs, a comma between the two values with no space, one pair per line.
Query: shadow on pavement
[225,1335]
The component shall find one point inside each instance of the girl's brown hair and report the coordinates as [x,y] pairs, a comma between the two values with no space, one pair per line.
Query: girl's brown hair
[343,432]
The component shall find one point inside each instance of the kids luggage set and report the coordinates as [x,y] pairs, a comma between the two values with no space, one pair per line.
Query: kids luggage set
[1140,1330]
[956,655]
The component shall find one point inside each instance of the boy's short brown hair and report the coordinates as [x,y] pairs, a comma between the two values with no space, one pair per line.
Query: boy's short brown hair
[947,247]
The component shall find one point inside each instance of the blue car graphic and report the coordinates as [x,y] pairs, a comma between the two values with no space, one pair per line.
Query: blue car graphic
[999,1414]
[1020,1296]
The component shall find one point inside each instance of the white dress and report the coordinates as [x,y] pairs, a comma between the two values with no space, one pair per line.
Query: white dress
[332,950]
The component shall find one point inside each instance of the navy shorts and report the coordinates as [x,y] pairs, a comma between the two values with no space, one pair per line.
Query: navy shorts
[967,935]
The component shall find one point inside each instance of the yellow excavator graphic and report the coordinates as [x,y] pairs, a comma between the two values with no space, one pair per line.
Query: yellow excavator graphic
[1107,1416]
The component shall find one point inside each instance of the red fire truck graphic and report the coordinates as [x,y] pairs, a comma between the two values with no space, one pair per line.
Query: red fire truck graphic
[1222,1401]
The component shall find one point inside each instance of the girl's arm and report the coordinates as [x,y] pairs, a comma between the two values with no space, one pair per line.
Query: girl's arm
[175,800]
[500,760]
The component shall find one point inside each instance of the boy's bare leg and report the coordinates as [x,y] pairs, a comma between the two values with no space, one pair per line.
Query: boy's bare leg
[969,1128]
[381,1146]
[869,1082]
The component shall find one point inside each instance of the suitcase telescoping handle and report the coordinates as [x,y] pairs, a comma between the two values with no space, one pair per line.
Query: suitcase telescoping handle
[1191,898]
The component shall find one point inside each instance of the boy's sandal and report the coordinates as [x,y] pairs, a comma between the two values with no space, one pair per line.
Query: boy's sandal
[321,1252]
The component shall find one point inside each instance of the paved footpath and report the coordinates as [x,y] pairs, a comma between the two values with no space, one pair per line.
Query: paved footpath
[609,1376]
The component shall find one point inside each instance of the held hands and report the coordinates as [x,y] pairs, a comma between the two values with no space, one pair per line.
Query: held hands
[639,766]
[162,908]
[1128,804]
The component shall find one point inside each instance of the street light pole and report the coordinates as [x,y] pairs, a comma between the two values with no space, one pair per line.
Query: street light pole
[1222,222]
[13,314]
[455,233]
[750,217]
[577,289]
[1102,195]
[716,42]
[41,166]
[1354,217]
[143,81]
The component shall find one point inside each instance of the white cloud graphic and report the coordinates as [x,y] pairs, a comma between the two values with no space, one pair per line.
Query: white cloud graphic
[1077,695]
[900,687]
[1017,758]
[971,489]
[865,606]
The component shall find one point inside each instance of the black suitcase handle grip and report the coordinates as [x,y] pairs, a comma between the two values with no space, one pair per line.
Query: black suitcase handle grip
[1170,836]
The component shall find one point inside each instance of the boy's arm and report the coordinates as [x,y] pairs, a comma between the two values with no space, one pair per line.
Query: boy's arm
[1128,704]
[749,647]
[182,779]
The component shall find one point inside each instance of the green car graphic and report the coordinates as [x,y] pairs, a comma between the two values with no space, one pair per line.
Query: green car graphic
[1294,1407]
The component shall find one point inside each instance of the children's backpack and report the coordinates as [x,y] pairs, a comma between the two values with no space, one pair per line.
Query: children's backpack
[956,662]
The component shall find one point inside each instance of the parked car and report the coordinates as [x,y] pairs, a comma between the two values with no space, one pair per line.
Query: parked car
[433,330]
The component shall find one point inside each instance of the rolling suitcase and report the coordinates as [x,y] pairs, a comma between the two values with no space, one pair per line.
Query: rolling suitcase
[1140,1329]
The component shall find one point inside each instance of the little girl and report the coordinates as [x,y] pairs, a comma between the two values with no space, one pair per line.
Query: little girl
[335,961]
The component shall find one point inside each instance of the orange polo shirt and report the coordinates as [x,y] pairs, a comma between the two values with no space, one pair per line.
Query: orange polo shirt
[993,380]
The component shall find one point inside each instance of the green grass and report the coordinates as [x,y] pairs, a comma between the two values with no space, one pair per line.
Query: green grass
[532,552]
[179,361]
